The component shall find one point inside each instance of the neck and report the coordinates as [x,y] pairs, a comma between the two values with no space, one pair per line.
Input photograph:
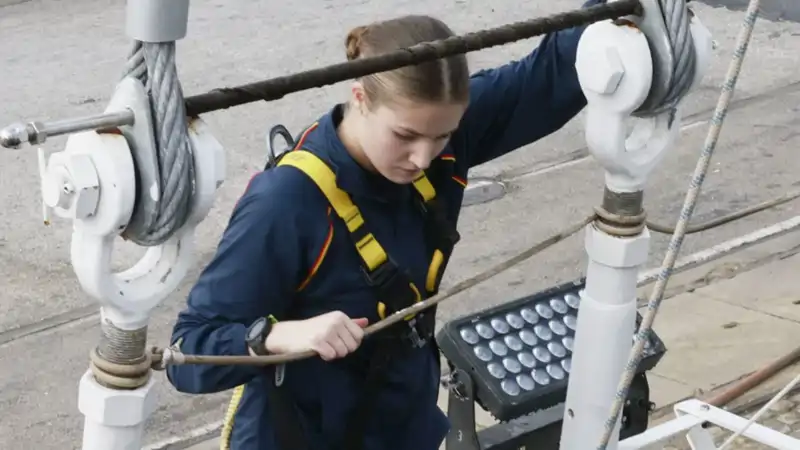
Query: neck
[348,134]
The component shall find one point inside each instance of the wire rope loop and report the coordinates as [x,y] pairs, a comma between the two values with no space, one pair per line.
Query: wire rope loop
[675,18]
[164,214]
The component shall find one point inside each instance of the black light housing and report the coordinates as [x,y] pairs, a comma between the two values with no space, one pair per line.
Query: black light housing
[518,354]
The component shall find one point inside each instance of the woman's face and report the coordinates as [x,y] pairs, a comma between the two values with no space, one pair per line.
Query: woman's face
[401,139]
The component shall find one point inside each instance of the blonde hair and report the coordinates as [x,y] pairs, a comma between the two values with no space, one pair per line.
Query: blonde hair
[441,80]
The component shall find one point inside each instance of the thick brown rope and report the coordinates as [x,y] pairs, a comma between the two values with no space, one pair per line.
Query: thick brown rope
[276,88]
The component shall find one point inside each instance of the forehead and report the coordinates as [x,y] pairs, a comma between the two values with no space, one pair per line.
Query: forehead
[427,119]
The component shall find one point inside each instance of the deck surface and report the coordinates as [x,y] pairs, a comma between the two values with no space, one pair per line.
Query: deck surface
[61,59]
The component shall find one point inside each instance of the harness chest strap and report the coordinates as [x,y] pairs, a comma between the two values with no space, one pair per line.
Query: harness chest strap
[368,247]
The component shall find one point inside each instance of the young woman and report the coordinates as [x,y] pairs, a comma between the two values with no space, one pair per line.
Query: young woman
[355,223]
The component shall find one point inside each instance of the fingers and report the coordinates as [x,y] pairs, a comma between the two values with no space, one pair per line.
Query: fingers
[341,336]
[338,344]
[348,338]
[350,334]
[355,327]
[361,322]
[325,351]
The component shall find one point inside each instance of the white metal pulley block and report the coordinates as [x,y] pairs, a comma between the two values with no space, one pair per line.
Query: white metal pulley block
[615,70]
[92,181]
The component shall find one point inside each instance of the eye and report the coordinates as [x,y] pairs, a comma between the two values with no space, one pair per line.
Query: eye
[404,137]
[444,137]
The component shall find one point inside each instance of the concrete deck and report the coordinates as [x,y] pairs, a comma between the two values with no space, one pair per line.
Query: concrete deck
[60,59]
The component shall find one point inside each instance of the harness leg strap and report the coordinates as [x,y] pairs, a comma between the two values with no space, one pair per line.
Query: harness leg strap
[289,432]
[385,352]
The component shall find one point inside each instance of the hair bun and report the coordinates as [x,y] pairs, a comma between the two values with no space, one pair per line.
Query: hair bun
[353,42]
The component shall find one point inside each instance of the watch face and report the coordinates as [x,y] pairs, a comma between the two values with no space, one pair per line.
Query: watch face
[255,331]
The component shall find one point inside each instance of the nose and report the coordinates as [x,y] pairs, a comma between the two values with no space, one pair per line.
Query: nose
[423,154]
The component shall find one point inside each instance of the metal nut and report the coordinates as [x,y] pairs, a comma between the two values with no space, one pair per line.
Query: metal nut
[86,186]
[603,71]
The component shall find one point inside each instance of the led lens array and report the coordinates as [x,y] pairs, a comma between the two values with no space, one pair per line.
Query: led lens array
[529,347]
[521,352]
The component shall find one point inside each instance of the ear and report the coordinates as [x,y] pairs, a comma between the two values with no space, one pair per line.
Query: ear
[359,96]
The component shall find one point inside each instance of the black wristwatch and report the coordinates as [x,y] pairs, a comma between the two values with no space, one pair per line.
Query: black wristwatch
[257,335]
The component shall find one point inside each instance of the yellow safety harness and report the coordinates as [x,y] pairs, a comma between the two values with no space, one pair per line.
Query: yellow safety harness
[395,290]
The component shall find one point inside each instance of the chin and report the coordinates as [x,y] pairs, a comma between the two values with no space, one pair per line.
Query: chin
[397,176]
[403,177]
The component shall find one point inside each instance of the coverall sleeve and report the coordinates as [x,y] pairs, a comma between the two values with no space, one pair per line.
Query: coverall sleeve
[253,274]
[523,101]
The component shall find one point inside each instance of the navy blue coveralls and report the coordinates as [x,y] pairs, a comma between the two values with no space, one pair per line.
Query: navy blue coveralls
[285,254]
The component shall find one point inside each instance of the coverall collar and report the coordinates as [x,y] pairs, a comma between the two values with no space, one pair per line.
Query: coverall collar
[350,176]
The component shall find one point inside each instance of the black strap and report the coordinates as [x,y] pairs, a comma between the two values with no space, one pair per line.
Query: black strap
[388,349]
[443,236]
[286,421]
[440,230]
[357,420]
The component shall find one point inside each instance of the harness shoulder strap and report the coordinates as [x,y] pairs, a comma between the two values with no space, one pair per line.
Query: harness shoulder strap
[441,232]
[394,289]
[368,247]
[424,188]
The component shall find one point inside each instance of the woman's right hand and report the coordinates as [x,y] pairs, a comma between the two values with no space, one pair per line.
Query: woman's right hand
[332,335]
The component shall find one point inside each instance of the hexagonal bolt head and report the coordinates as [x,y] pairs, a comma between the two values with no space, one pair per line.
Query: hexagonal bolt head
[603,71]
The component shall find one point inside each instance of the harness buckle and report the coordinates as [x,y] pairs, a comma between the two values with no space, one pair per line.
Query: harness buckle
[392,286]
[395,292]
[413,335]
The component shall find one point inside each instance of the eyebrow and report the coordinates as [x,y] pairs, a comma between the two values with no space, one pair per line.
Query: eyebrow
[417,133]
